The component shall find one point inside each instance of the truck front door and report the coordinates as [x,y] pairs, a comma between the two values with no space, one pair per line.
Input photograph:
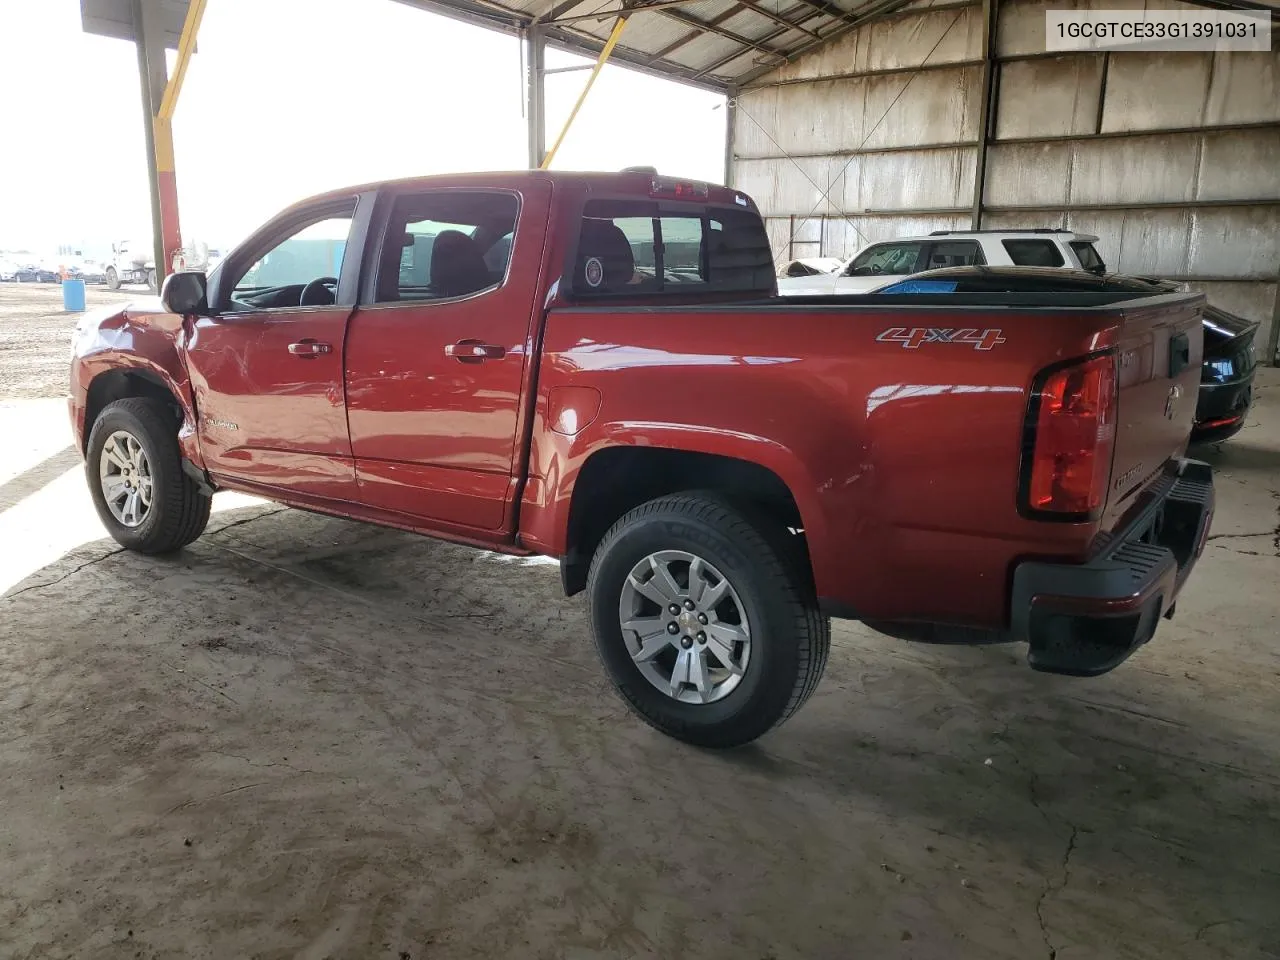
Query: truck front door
[438,348]
[266,368]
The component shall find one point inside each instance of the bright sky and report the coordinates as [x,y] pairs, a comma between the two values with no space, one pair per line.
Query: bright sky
[287,98]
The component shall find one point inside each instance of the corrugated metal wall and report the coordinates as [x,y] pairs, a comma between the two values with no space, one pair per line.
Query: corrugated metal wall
[1172,159]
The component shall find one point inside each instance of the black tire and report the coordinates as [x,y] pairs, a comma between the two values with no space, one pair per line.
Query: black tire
[790,638]
[112,279]
[179,511]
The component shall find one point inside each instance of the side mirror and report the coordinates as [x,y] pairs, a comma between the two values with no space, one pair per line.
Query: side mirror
[185,292]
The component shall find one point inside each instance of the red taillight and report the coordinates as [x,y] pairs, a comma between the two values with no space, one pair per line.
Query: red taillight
[1073,418]
[678,189]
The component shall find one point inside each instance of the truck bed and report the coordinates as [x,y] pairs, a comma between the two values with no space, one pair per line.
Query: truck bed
[899,430]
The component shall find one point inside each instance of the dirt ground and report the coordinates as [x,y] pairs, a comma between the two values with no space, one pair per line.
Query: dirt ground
[308,738]
[35,335]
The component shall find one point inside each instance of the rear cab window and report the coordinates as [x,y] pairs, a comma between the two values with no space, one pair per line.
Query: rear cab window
[643,247]
[1034,253]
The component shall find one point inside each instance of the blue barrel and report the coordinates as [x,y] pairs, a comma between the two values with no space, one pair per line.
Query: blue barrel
[73,296]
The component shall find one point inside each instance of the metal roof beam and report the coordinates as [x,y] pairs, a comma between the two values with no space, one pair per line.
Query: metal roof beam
[863,15]
[719,18]
[755,7]
[557,10]
[601,14]
[514,23]
[700,27]
[645,63]
[1240,6]
[752,6]
[849,21]
[711,26]
[830,10]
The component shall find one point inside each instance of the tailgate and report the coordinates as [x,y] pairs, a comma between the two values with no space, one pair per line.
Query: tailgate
[1159,352]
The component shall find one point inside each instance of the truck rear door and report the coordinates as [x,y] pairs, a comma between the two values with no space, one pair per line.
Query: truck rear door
[1158,358]
[437,351]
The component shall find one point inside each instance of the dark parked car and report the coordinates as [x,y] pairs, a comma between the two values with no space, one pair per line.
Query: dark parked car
[34,273]
[1230,357]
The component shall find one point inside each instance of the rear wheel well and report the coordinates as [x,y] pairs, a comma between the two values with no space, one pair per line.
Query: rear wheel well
[114,385]
[618,479]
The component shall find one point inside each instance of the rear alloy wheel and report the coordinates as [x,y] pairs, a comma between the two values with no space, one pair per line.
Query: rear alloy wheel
[134,469]
[113,279]
[704,616]
[685,626]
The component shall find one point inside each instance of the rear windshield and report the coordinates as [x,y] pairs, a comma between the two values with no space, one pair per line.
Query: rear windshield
[644,248]
[1087,255]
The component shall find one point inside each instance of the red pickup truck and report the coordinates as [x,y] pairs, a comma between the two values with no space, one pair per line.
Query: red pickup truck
[596,367]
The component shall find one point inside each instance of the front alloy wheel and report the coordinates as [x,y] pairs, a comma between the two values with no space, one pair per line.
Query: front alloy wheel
[125,475]
[134,469]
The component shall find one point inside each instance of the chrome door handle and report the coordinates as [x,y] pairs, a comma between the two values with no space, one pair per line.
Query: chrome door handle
[309,349]
[473,351]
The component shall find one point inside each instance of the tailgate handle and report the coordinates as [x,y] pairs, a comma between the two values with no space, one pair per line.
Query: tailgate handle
[1179,354]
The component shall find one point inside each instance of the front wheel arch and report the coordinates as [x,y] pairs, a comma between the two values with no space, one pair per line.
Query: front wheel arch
[112,385]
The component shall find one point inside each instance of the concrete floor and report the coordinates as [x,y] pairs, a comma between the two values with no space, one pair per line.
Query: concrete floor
[309,738]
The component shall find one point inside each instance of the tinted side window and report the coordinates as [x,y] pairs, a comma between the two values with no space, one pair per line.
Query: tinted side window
[446,244]
[954,253]
[1034,253]
[894,259]
[1088,256]
[637,247]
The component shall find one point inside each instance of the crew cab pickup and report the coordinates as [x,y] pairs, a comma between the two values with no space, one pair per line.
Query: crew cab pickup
[597,367]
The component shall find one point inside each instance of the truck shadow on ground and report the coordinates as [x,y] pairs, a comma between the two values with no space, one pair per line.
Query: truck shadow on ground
[1142,804]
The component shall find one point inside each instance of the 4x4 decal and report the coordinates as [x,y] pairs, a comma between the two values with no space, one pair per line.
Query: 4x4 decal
[912,337]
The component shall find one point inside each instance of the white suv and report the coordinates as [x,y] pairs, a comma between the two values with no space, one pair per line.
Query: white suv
[881,263]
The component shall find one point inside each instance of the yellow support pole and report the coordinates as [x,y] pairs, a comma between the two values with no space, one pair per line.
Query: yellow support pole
[595,72]
[166,182]
[186,46]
